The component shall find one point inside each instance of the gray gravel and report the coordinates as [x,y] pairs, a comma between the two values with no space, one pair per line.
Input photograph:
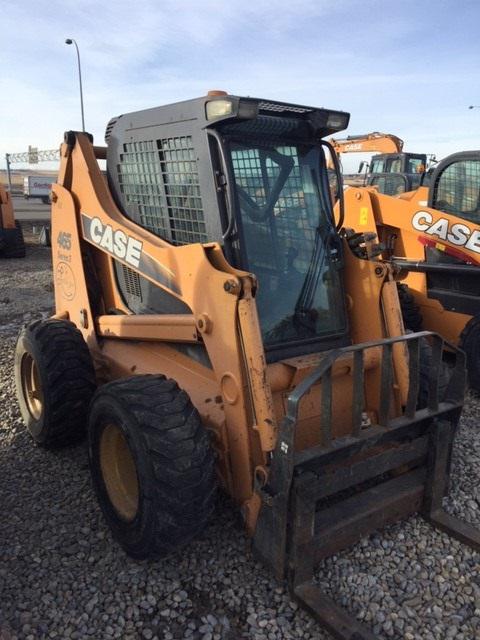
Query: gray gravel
[61,576]
[26,288]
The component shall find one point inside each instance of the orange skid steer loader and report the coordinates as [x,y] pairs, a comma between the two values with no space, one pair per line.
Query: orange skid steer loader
[432,237]
[12,244]
[210,315]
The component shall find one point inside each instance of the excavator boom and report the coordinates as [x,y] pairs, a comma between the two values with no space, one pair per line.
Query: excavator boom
[375,141]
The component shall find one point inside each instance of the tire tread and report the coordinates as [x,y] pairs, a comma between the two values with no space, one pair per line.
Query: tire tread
[69,379]
[181,460]
[412,316]
[15,248]
[470,343]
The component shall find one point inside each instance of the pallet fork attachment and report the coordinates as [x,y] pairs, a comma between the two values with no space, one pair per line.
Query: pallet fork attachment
[320,500]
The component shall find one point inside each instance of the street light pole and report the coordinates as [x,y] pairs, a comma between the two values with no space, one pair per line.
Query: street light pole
[9,174]
[72,41]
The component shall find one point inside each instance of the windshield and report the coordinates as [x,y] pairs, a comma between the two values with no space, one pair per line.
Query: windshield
[284,218]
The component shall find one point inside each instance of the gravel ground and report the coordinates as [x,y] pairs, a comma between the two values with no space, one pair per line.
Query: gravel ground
[61,576]
[26,288]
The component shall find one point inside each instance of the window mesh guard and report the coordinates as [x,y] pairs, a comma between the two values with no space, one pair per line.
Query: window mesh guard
[457,190]
[160,184]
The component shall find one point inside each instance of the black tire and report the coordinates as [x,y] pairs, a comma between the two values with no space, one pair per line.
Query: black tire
[15,244]
[54,357]
[444,379]
[150,427]
[470,343]
[412,316]
[425,366]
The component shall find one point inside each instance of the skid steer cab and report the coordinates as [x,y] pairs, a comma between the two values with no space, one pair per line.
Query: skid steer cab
[215,327]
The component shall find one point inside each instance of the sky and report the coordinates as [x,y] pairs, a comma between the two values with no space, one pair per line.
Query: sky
[410,68]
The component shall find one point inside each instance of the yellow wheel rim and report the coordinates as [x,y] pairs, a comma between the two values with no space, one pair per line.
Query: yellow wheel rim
[119,472]
[31,386]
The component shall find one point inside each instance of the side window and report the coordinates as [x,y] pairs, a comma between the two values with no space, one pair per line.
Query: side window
[377,166]
[457,190]
[160,185]
[394,166]
[415,165]
[161,192]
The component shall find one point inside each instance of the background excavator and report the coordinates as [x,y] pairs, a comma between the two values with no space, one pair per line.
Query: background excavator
[391,160]
[12,244]
[432,236]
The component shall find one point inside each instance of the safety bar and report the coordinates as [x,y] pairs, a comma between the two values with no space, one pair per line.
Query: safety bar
[323,373]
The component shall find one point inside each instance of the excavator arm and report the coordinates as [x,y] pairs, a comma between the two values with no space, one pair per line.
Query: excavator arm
[366,143]
[376,141]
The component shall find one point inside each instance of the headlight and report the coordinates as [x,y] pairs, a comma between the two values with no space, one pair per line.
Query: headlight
[218,109]
[337,121]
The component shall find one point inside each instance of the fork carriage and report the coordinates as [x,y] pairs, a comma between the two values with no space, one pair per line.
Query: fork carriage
[321,500]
